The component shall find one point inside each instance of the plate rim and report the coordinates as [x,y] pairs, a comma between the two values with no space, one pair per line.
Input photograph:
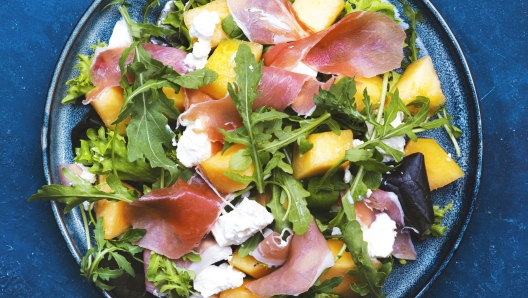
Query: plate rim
[91,9]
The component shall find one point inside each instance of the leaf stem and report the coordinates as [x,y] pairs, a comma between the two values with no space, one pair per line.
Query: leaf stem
[451,136]
[86,233]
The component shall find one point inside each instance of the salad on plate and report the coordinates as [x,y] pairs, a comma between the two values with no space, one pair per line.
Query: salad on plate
[250,148]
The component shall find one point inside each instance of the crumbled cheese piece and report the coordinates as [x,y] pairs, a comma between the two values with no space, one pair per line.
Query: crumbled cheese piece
[397,142]
[348,175]
[357,142]
[211,255]
[380,236]
[85,173]
[215,279]
[121,36]
[202,28]
[193,147]
[336,231]
[244,221]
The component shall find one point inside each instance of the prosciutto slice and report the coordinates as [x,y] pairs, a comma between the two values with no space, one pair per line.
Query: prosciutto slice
[105,67]
[309,256]
[214,114]
[304,103]
[383,201]
[273,250]
[362,44]
[267,22]
[279,88]
[176,218]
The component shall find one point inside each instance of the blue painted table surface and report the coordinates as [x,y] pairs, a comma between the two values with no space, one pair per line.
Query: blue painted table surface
[492,259]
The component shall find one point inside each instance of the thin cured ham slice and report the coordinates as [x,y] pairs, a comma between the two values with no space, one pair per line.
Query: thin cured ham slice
[176,218]
[387,202]
[288,55]
[304,103]
[267,22]
[309,256]
[273,250]
[105,67]
[279,88]
[362,44]
[214,114]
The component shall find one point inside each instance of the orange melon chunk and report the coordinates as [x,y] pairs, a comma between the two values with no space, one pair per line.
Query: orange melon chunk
[250,266]
[222,61]
[214,167]
[441,168]
[328,148]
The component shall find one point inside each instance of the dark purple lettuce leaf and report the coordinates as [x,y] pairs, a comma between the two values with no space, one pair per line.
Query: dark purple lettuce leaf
[409,182]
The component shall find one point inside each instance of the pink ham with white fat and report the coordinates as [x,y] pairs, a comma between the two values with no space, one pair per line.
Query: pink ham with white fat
[362,44]
[309,256]
[279,88]
[267,22]
[176,218]
[273,250]
[382,201]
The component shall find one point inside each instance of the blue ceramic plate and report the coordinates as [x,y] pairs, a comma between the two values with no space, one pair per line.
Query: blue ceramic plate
[436,40]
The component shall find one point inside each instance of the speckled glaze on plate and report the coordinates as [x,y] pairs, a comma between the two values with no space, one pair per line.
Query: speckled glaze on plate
[436,40]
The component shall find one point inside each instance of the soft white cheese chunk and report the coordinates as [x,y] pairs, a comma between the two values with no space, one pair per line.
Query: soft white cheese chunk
[202,28]
[380,236]
[244,221]
[193,147]
[215,279]
[121,36]
[211,255]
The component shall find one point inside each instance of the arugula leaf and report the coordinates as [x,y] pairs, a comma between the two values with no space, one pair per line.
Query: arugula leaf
[110,249]
[81,191]
[339,99]
[298,213]
[146,9]
[192,256]
[168,278]
[370,5]
[230,28]
[415,16]
[243,93]
[280,223]
[250,245]
[370,279]
[142,31]
[105,155]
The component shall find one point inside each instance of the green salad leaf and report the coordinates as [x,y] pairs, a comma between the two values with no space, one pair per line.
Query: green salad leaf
[81,191]
[110,250]
[168,278]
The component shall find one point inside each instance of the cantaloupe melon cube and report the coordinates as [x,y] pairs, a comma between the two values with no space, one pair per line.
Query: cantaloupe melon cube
[250,266]
[318,14]
[179,98]
[340,268]
[440,166]
[108,105]
[373,86]
[218,6]
[240,292]
[114,223]
[222,61]
[420,79]
[328,148]
[214,167]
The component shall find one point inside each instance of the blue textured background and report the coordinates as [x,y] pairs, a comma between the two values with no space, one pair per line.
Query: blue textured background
[492,259]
